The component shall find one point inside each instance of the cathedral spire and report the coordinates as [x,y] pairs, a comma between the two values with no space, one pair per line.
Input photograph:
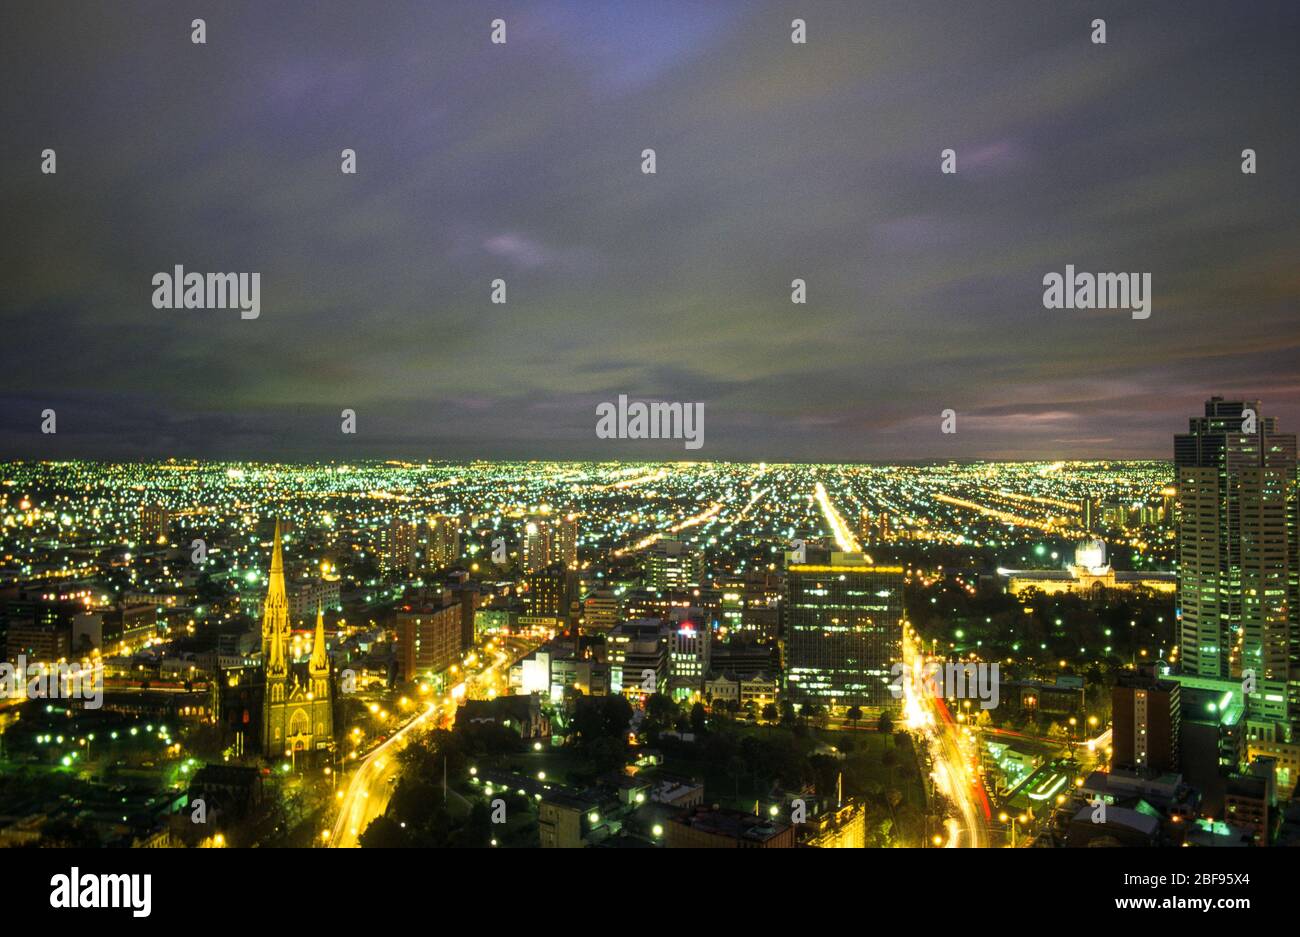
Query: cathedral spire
[320,662]
[275,662]
[277,563]
[275,613]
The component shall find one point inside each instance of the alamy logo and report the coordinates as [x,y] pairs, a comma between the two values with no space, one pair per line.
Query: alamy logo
[75,890]
[1098,291]
[948,680]
[181,290]
[52,681]
[654,420]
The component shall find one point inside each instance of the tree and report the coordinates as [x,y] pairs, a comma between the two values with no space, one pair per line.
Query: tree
[854,715]
[893,797]
[660,713]
[787,712]
[477,831]
[770,712]
[607,753]
[885,723]
[826,773]
[814,710]
[596,717]
[384,833]
[699,720]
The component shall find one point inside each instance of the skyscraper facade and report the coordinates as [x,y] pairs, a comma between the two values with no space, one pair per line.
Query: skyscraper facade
[154,521]
[535,542]
[549,594]
[397,548]
[566,541]
[1238,557]
[843,629]
[441,542]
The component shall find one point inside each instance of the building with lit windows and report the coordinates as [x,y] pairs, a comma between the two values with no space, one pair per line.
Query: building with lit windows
[844,827]
[1147,723]
[566,540]
[397,548]
[843,629]
[689,644]
[549,595]
[154,521]
[441,542]
[429,634]
[1239,558]
[672,564]
[601,610]
[535,542]
[637,652]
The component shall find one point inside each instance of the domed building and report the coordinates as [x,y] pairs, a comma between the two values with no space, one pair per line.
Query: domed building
[1089,574]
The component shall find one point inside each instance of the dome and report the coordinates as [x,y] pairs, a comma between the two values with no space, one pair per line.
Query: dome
[1091,554]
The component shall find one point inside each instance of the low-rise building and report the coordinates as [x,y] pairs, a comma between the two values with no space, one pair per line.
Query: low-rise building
[718,828]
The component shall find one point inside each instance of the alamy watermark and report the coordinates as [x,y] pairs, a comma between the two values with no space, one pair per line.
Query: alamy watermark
[181,290]
[948,680]
[52,681]
[655,419]
[103,890]
[1098,291]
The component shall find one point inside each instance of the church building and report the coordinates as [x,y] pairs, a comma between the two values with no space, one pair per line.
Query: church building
[298,701]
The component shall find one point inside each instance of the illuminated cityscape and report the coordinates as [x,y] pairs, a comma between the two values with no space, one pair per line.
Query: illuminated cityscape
[600,654]
[684,424]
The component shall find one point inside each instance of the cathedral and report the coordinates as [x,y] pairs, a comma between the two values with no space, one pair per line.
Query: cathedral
[298,701]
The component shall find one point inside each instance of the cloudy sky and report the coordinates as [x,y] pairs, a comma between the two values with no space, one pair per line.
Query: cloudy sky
[523,162]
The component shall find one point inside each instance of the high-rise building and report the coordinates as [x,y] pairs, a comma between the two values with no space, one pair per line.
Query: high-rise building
[1239,559]
[689,646]
[1251,799]
[1115,516]
[843,627]
[535,542]
[1147,721]
[441,538]
[548,538]
[398,554]
[866,533]
[298,703]
[154,521]
[672,564]
[1088,518]
[549,596]
[601,610]
[429,635]
[566,540]
[638,657]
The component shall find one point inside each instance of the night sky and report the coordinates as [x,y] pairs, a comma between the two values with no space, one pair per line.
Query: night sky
[523,161]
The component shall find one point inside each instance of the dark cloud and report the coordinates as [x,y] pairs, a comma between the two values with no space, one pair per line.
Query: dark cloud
[522,162]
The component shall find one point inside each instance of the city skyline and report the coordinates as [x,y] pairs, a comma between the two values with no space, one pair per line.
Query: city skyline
[521,161]
[655,655]
[746,424]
